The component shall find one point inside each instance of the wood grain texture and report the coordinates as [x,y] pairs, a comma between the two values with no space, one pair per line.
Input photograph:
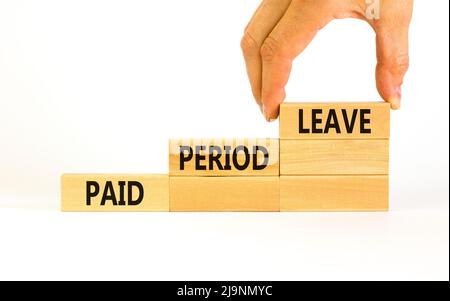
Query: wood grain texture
[379,117]
[114,189]
[334,157]
[224,194]
[224,157]
[334,193]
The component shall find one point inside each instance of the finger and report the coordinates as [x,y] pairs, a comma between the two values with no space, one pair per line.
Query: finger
[263,21]
[254,14]
[392,52]
[289,38]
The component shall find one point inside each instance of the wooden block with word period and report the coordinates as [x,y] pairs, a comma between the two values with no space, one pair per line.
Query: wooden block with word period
[224,193]
[114,192]
[334,157]
[334,193]
[224,157]
[361,120]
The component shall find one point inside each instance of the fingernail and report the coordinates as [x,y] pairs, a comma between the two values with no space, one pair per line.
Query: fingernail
[396,104]
[396,99]
[266,115]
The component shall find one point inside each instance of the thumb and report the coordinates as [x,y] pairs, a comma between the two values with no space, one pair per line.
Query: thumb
[392,57]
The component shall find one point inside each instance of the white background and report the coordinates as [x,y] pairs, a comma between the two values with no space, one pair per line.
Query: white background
[100,86]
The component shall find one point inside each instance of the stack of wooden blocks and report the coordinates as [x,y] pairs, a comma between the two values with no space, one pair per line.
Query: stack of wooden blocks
[334,157]
[330,157]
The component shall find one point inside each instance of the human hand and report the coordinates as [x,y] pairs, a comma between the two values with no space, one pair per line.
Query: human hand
[281,29]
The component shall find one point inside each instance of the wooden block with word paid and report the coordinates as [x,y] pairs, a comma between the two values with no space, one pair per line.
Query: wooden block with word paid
[334,193]
[224,157]
[114,192]
[359,120]
[224,193]
[334,157]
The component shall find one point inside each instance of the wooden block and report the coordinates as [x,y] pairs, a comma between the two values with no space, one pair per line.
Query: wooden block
[334,193]
[334,120]
[114,192]
[224,194]
[224,157]
[334,157]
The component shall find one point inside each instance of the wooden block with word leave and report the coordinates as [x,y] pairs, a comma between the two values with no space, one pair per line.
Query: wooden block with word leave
[224,193]
[334,193]
[360,120]
[334,157]
[114,192]
[224,157]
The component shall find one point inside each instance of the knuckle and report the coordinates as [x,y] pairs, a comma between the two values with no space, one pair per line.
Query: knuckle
[249,45]
[401,63]
[270,48]
[397,65]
